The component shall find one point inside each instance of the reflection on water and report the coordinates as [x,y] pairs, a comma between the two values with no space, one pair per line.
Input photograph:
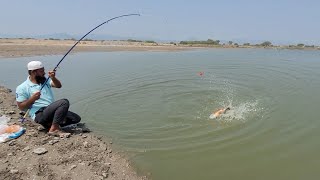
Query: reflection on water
[156,107]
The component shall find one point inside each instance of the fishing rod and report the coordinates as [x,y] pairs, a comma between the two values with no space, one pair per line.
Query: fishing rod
[26,114]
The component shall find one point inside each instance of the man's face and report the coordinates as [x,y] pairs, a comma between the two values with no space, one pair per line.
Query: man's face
[39,75]
[40,72]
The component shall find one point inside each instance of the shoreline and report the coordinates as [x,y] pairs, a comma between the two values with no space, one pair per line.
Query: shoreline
[83,154]
[13,47]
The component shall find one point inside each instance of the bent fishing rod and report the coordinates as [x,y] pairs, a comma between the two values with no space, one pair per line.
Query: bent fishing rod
[26,114]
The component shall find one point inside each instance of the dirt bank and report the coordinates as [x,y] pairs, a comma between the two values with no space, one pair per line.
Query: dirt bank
[81,156]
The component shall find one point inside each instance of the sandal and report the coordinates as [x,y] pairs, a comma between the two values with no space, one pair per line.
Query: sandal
[59,133]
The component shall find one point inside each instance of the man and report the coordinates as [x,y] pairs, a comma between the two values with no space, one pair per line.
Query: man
[43,109]
[218,113]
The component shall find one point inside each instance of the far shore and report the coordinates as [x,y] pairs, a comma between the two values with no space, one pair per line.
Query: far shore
[25,47]
[37,47]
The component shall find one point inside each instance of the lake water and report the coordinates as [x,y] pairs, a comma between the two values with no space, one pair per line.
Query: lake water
[155,106]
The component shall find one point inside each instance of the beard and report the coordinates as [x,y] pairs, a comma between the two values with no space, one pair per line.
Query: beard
[40,79]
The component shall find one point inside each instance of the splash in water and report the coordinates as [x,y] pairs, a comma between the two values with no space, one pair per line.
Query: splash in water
[239,112]
[225,95]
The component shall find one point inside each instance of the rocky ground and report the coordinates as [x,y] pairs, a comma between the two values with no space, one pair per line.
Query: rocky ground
[35,155]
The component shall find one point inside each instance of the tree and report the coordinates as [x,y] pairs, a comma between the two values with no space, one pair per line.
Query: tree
[246,44]
[230,42]
[266,43]
[210,41]
[150,41]
[300,45]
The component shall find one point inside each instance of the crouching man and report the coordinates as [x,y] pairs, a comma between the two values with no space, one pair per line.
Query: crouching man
[43,108]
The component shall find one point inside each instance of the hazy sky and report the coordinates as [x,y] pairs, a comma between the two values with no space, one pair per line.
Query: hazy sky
[289,21]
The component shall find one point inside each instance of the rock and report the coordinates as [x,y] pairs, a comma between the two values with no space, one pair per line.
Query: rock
[85,129]
[85,144]
[40,151]
[14,171]
[105,175]
[41,128]
[9,112]
[22,113]
[73,166]
[12,112]
[26,149]
[65,135]
[12,143]
[52,142]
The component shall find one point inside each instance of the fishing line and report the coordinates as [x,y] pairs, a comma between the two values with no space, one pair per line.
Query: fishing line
[24,117]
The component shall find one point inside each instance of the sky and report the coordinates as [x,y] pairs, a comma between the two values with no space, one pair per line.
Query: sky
[278,21]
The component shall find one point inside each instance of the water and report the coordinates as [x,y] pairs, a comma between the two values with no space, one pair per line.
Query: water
[155,106]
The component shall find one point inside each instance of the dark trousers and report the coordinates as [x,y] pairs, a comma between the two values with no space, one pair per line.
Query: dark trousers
[57,112]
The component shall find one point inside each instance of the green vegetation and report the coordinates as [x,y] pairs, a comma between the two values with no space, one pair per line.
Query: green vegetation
[72,39]
[300,45]
[266,44]
[88,39]
[146,41]
[309,46]
[133,40]
[150,41]
[207,42]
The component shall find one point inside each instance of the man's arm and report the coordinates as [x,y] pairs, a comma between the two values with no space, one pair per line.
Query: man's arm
[55,82]
[28,103]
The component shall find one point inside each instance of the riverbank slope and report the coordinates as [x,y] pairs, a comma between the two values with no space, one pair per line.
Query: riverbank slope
[81,156]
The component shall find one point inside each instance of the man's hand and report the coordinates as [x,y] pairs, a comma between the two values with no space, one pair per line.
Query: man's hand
[55,82]
[28,103]
[35,96]
[52,74]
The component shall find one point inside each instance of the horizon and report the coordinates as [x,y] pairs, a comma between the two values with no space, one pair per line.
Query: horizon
[280,22]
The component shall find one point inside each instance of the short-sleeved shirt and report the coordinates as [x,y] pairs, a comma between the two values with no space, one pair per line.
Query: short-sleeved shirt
[25,90]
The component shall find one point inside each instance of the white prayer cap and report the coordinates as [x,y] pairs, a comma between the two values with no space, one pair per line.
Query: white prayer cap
[33,65]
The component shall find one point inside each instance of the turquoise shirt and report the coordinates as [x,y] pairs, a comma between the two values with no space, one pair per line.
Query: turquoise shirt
[25,90]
